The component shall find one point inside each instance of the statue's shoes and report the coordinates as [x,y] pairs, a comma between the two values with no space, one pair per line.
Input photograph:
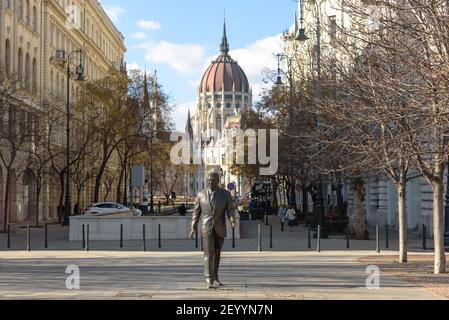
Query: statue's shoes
[210,284]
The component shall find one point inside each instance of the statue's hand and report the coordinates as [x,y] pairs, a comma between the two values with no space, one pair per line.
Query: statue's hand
[192,234]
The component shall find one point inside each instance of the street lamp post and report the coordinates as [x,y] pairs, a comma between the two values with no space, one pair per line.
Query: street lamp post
[79,72]
[319,198]
[292,195]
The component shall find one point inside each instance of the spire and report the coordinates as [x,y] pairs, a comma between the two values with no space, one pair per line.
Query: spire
[224,47]
[296,23]
[146,96]
[189,128]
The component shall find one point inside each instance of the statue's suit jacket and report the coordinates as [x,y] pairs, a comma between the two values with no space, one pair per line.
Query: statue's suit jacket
[213,216]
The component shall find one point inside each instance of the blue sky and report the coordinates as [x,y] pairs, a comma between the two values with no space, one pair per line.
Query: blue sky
[180,38]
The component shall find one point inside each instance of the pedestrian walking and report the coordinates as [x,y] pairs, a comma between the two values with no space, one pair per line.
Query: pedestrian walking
[282,213]
[291,216]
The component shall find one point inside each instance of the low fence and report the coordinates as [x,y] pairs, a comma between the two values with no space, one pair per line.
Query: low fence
[156,231]
[113,226]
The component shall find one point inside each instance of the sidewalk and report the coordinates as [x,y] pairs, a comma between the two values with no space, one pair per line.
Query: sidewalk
[288,271]
[178,275]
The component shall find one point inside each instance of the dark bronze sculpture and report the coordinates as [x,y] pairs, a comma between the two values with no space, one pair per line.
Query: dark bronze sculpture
[212,204]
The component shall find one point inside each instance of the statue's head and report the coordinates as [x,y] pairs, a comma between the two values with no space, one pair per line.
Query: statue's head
[213,180]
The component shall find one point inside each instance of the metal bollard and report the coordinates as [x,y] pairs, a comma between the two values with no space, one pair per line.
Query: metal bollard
[46,236]
[8,244]
[233,238]
[377,239]
[424,237]
[259,237]
[84,238]
[87,238]
[347,238]
[28,238]
[159,244]
[266,219]
[144,246]
[318,239]
[309,239]
[271,237]
[121,236]
[387,237]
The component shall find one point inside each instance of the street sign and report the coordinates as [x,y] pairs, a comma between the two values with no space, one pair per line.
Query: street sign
[137,176]
[231,186]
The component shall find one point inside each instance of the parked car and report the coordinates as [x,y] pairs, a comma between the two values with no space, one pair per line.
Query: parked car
[111,207]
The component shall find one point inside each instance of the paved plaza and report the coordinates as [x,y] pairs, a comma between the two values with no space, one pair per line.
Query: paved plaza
[288,271]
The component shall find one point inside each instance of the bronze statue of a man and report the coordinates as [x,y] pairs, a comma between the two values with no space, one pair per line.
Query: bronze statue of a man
[213,204]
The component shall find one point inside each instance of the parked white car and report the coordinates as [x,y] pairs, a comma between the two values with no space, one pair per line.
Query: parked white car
[110,207]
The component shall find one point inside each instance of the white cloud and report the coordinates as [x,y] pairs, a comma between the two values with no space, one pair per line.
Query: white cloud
[257,57]
[180,114]
[114,12]
[149,24]
[184,58]
[133,66]
[139,35]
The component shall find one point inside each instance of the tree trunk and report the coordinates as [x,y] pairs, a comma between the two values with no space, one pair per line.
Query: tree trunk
[359,210]
[98,182]
[305,201]
[339,208]
[61,197]
[119,184]
[6,204]
[438,227]
[401,188]
[293,195]
[38,193]
[78,198]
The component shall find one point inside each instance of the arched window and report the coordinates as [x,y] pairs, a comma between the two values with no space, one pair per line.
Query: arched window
[34,88]
[27,72]
[52,83]
[34,21]
[20,66]
[21,9]
[7,57]
[218,123]
[57,92]
[28,16]
[62,88]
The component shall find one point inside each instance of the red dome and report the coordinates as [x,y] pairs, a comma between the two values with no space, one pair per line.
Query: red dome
[224,73]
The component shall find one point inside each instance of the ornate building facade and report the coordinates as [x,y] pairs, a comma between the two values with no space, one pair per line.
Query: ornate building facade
[31,33]
[223,95]
[380,201]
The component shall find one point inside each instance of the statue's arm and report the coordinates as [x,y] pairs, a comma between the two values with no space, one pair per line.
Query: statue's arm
[196,213]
